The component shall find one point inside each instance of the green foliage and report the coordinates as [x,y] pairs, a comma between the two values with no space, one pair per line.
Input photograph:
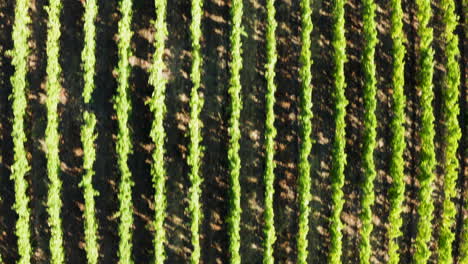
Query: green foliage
[370,126]
[88,135]
[157,133]
[235,88]
[338,154]
[124,144]
[195,125]
[428,161]
[54,202]
[270,134]
[21,166]
[304,181]
[452,132]
[122,105]
[91,226]
[88,55]
[398,145]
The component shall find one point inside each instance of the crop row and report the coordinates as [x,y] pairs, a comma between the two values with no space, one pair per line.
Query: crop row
[370,126]
[304,181]
[157,133]
[398,145]
[124,145]
[122,105]
[235,88]
[88,135]
[338,154]
[270,133]
[195,126]
[452,132]
[21,166]
[428,159]
[54,202]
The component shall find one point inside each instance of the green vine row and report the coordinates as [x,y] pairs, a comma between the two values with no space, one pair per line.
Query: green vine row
[157,133]
[88,135]
[370,126]
[21,166]
[195,127]
[338,153]
[54,202]
[398,144]
[270,133]
[235,88]
[306,115]
[452,132]
[122,106]
[428,159]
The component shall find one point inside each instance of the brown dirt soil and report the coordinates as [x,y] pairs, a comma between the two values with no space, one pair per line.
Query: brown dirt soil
[216,29]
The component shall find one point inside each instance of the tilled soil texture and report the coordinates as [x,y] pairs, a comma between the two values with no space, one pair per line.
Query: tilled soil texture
[215,113]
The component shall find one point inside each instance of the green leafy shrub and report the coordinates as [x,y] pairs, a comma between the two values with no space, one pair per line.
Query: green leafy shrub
[195,125]
[270,133]
[452,132]
[157,133]
[338,154]
[88,135]
[91,226]
[20,165]
[398,145]
[428,160]
[54,202]
[123,108]
[370,126]
[235,89]
[304,181]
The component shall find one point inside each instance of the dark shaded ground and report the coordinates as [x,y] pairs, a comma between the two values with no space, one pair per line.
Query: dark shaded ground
[7,216]
[215,49]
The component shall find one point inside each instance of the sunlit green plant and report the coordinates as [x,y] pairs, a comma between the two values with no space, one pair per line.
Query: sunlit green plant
[304,181]
[428,159]
[452,132]
[20,166]
[338,154]
[195,126]
[88,136]
[54,202]
[398,145]
[235,89]
[270,133]
[123,108]
[157,133]
[370,126]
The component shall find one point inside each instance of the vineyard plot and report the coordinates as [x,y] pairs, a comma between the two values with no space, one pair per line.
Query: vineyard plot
[210,131]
